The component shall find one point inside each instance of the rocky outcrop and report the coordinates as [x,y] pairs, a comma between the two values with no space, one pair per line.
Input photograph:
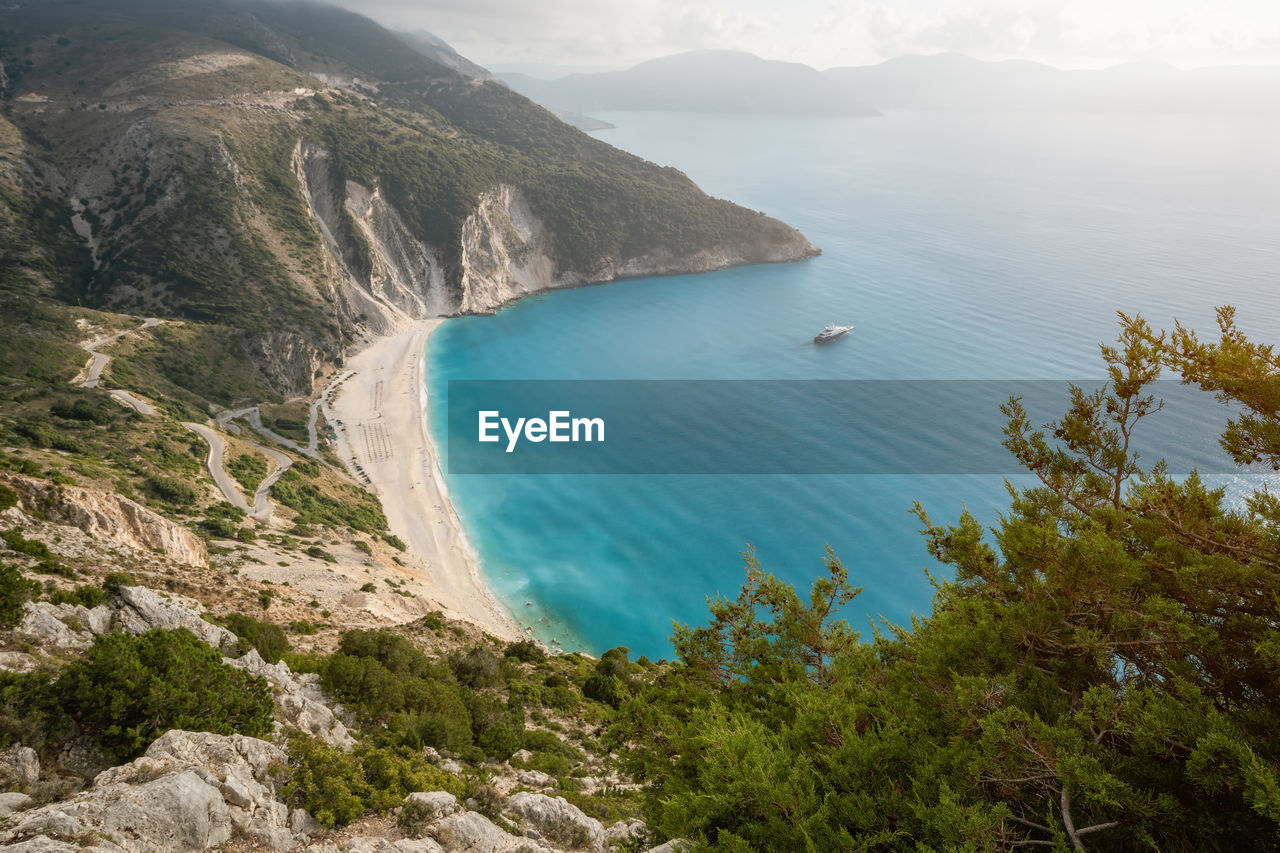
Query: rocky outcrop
[109,517]
[189,791]
[430,806]
[506,252]
[558,821]
[133,609]
[19,768]
[474,833]
[138,609]
[299,698]
[386,274]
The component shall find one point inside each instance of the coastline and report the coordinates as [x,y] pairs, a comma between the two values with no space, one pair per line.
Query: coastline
[379,412]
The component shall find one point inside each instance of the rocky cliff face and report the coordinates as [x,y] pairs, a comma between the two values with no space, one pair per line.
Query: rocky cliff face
[386,274]
[107,516]
[507,254]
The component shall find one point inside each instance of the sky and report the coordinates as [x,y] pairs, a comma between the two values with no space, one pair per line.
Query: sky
[831,33]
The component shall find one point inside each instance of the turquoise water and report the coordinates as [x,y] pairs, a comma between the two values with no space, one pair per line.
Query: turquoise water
[962,246]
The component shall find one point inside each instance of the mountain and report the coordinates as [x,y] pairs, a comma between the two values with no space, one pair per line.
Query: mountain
[435,48]
[292,180]
[715,81]
[951,81]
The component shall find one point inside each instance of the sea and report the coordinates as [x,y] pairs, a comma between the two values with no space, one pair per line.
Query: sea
[962,246]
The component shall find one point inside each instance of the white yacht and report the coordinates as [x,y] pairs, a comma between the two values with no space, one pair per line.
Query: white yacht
[831,332]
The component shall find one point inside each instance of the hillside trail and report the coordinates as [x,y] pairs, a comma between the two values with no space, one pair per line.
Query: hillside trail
[91,374]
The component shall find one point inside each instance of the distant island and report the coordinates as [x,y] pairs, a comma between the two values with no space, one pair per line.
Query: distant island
[724,81]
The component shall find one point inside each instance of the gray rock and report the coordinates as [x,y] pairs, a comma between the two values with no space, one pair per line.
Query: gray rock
[383,845]
[50,820]
[41,844]
[624,831]
[20,766]
[84,758]
[10,803]
[303,823]
[175,812]
[430,806]
[299,698]
[675,845]
[18,661]
[472,832]
[189,791]
[138,609]
[558,820]
[40,621]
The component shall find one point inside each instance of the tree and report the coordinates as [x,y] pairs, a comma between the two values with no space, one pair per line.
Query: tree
[128,690]
[1102,672]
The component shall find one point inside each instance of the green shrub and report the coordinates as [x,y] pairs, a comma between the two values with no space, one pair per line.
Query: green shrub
[526,651]
[112,581]
[83,410]
[8,498]
[369,587]
[266,637]
[171,490]
[476,667]
[321,554]
[218,528]
[16,542]
[86,596]
[128,690]
[53,567]
[326,781]
[15,591]
[302,627]
[30,713]
[337,787]
[363,546]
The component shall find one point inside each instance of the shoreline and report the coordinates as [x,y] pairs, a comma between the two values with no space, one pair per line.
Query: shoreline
[382,422]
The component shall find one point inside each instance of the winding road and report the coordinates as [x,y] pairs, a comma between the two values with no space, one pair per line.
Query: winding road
[92,372]
[262,508]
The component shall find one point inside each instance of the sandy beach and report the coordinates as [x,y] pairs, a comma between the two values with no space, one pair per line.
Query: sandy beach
[379,412]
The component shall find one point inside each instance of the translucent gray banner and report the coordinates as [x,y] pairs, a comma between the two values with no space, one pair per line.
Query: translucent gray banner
[787,427]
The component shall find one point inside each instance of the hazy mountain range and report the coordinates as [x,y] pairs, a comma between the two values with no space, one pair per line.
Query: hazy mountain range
[729,81]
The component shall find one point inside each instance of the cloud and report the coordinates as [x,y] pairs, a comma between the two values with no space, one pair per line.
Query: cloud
[824,33]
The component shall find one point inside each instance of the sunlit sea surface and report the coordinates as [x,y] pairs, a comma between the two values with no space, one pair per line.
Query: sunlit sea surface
[962,246]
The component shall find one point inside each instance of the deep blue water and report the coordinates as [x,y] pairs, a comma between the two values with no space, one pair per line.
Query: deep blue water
[962,246]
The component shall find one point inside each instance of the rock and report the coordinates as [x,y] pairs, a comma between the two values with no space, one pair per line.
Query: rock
[472,832]
[84,758]
[42,844]
[558,820]
[675,845]
[624,831]
[382,845]
[303,823]
[110,517]
[10,803]
[522,755]
[299,698]
[21,765]
[535,779]
[18,662]
[138,609]
[189,791]
[430,806]
[42,622]
[176,812]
